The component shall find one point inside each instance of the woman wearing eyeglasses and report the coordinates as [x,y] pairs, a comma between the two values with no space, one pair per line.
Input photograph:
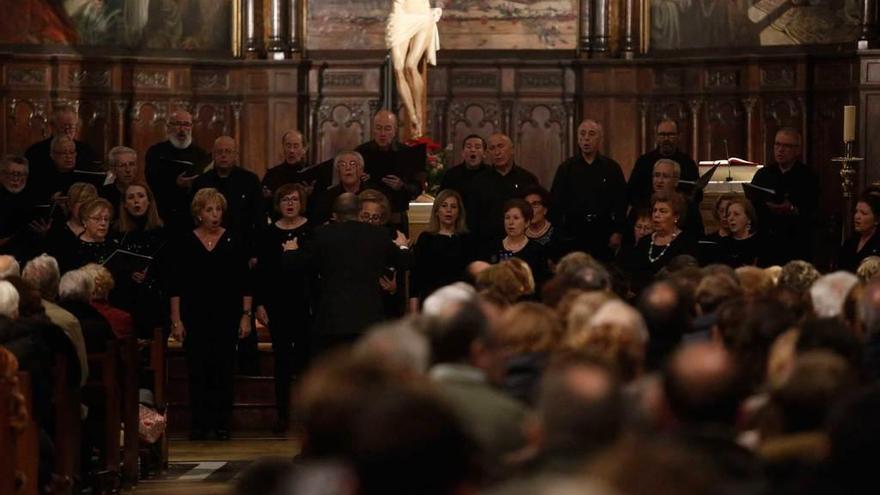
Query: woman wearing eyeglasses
[95,243]
[283,297]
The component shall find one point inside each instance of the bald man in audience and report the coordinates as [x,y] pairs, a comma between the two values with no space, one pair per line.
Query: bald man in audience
[64,122]
[244,197]
[589,197]
[295,169]
[9,267]
[488,191]
[394,171]
[171,167]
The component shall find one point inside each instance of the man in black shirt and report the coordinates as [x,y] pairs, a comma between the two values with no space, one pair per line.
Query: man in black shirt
[393,168]
[485,197]
[788,217]
[460,176]
[294,169]
[171,167]
[54,182]
[64,123]
[122,161]
[244,214]
[639,188]
[589,197]
[16,207]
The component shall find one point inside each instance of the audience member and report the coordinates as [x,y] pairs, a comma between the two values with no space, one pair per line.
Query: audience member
[829,291]
[798,275]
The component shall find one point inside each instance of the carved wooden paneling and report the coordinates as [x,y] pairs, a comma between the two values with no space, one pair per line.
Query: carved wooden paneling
[210,121]
[152,79]
[210,81]
[148,119]
[475,80]
[779,76]
[341,125]
[25,123]
[540,138]
[726,129]
[722,78]
[481,117]
[27,77]
[96,125]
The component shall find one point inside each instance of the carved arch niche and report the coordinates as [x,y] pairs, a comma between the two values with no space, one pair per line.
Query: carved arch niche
[26,123]
[726,130]
[466,118]
[341,126]
[210,121]
[540,138]
[96,125]
[148,120]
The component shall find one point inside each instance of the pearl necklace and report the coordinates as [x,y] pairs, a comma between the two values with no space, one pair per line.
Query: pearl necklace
[651,257]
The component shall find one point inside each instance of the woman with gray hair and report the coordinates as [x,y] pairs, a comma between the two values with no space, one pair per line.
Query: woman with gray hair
[74,295]
[349,177]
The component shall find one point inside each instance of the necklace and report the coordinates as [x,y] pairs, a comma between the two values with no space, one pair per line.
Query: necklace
[651,257]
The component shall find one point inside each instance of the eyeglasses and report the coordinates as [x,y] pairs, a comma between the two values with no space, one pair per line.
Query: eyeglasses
[180,123]
[64,153]
[289,200]
[351,164]
[372,218]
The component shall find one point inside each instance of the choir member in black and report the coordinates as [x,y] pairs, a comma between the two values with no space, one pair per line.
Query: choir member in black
[788,217]
[282,298]
[295,170]
[540,229]
[123,164]
[485,197]
[240,187]
[744,245]
[643,226]
[140,230]
[376,209]
[639,188]
[459,177]
[17,208]
[349,257]
[57,178]
[386,165]
[349,166]
[865,241]
[517,215]
[710,245]
[443,250]
[95,244]
[589,197]
[668,240]
[169,173]
[665,181]
[64,123]
[210,310]
[62,235]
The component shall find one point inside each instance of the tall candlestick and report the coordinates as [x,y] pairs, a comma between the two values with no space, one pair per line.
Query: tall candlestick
[849,123]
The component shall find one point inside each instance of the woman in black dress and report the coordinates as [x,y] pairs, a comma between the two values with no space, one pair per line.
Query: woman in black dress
[376,210]
[517,215]
[743,246]
[667,241]
[443,251]
[138,288]
[282,298]
[62,236]
[95,244]
[864,242]
[210,309]
[540,229]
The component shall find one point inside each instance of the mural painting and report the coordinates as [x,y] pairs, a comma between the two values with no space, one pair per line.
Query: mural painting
[193,25]
[678,24]
[466,24]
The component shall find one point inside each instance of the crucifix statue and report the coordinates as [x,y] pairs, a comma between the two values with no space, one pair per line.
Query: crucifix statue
[412,36]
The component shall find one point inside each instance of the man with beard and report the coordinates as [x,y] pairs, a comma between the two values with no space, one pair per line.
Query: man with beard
[589,197]
[391,167]
[487,193]
[458,177]
[788,216]
[639,188]
[16,206]
[171,167]
[295,169]
[122,161]
[64,123]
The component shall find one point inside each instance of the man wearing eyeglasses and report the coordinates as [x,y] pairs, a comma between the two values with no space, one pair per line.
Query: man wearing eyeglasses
[64,122]
[787,218]
[16,205]
[639,188]
[171,167]
[296,169]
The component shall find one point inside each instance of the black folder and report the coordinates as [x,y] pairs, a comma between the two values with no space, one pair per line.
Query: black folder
[123,261]
[760,195]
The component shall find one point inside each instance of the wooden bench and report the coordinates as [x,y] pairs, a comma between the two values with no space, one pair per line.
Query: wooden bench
[66,402]
[18,437]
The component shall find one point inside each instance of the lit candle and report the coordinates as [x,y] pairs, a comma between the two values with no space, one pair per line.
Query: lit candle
[849,123]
